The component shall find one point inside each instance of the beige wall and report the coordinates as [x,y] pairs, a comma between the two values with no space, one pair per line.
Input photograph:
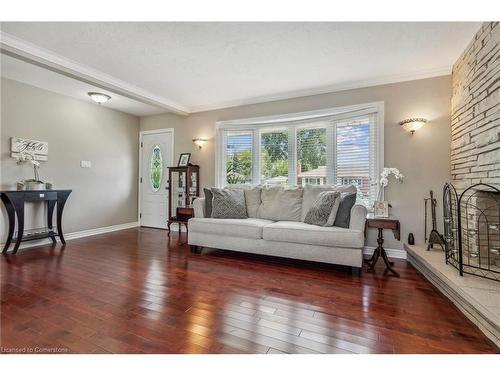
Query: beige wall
[103,195]
[423,157]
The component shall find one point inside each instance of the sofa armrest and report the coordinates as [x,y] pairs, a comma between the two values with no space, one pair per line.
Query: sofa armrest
[199,207]
[358,217]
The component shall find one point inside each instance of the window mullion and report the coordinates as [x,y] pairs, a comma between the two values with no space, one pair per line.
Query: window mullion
[222,175]
[256,175]
[331,162]
[292,156]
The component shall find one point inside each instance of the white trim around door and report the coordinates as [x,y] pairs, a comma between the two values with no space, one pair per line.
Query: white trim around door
[141,133]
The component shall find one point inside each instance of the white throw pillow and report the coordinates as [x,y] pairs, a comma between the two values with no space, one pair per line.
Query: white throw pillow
[280,203]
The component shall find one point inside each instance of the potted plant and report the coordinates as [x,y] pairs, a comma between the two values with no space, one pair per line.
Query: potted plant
[34,183]
[381,207]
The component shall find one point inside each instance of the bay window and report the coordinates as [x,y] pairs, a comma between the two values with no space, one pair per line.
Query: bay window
[334,146]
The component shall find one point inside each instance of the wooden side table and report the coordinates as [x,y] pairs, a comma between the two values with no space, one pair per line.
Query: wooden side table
[183,214]
[381,224]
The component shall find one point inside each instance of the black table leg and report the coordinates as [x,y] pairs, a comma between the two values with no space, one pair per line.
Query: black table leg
[11,214]
[19,207]
[61,201]
[50,213]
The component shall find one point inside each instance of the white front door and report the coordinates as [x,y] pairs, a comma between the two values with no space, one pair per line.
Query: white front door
[156,157]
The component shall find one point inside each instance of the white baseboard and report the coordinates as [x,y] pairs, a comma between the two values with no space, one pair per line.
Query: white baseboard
[79,234]
[391,253]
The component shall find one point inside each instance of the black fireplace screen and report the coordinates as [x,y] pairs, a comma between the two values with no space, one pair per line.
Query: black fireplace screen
[472,230]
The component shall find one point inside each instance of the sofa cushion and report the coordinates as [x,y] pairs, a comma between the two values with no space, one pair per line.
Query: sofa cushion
[343,218]
[252,200]
[298,232]
[279,203]
[228,204]
[324,209]
[312,192]
[245,228]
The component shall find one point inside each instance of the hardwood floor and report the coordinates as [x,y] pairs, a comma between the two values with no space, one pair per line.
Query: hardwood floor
[136,291]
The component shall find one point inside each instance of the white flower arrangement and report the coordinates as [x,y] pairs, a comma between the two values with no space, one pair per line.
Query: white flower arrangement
[384,179]
[28,157]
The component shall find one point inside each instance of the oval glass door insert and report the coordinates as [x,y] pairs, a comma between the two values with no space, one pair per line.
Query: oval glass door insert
[156,170]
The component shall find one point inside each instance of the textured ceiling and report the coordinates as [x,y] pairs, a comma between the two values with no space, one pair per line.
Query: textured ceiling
[213,65]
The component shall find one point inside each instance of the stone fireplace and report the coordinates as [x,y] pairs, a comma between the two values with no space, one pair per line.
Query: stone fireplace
[475,143]
[475,111]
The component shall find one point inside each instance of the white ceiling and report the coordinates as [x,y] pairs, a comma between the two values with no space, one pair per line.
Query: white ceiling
[199,66]
[34,75]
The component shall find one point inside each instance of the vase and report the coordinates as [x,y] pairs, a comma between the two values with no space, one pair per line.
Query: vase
[34,185]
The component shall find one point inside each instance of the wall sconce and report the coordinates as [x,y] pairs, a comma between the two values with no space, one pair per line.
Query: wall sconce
[199,142]
[413,124]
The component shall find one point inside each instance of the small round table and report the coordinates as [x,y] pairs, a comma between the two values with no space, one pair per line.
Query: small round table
[381,224]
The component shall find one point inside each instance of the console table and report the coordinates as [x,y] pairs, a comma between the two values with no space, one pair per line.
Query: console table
[14,204]
[381,224]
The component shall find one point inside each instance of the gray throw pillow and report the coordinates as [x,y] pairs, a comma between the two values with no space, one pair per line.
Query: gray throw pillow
[322,208]
[228,204]
[343,217]
[208,202]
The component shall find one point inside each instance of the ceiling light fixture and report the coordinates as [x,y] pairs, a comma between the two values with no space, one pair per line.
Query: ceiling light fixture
[413,124]
[99,97]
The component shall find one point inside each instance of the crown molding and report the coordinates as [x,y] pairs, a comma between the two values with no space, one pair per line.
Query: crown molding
[443,71]
[33,54]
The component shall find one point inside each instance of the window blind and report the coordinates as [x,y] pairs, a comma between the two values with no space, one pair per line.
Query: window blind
[238,157]
[311,156]
[274,157]
[355,156]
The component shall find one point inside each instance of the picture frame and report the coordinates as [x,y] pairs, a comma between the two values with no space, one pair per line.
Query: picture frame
[184,159]
[381,209]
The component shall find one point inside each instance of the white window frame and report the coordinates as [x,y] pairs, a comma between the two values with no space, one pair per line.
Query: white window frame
[294,121]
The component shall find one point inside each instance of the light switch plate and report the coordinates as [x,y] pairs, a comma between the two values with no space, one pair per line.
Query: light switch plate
[85,163]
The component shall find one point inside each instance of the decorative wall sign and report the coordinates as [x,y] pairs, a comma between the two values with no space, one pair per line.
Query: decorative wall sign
[39,149]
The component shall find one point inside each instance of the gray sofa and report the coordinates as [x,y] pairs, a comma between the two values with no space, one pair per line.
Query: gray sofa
[275,227]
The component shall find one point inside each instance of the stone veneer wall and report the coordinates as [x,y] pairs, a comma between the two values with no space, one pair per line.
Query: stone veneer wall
[475,111]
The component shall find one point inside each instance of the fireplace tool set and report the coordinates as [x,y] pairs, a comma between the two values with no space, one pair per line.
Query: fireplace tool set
[435,238]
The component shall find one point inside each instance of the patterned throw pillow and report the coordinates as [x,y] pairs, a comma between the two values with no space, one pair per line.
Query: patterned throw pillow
[228,204]
[322,208]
